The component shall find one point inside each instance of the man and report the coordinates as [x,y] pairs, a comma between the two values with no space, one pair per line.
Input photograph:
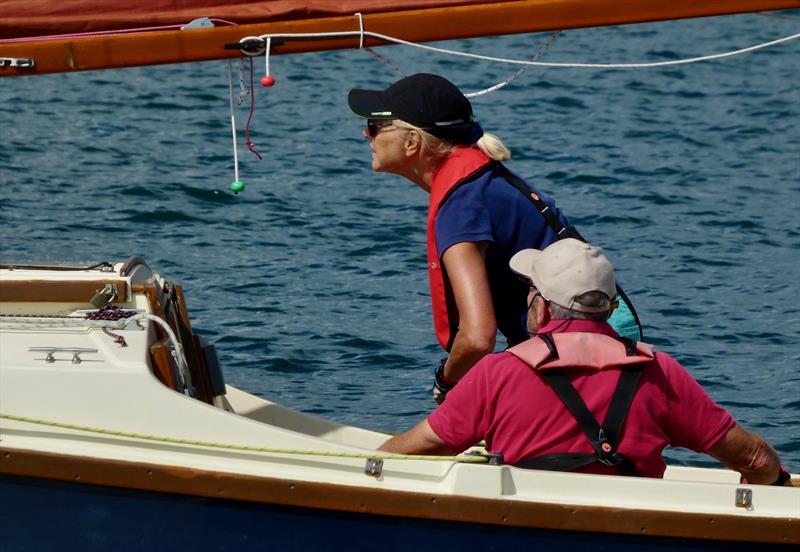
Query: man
[538,404]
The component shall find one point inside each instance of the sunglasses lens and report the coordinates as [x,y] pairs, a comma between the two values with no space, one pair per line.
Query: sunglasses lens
[373,127]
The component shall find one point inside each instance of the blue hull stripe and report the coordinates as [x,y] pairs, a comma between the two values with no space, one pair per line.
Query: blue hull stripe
[38,514]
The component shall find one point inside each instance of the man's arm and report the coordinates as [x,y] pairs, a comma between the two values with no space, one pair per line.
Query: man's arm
[418,440]
[466,270]
[748,454]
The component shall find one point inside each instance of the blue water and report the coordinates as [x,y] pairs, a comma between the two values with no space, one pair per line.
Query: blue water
[312,282]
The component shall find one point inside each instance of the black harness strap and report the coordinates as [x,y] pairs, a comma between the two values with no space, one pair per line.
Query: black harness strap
[623,396]
[555,223]
[604,439]
[560,461]
[552,220]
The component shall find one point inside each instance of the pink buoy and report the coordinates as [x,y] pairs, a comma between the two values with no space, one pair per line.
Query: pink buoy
[267,81]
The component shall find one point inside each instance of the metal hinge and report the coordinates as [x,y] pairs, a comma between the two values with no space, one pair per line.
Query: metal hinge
[374,467]
[744,498]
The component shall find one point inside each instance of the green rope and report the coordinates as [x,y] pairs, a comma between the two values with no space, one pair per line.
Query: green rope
[469,458]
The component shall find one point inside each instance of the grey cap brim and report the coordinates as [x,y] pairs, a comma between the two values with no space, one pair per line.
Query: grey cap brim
[369,104]
[522,262]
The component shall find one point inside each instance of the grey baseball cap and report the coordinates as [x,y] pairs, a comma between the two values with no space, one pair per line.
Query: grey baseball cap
[565,270]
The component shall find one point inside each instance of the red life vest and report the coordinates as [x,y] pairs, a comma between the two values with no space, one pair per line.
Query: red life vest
[457,169]
[580,350]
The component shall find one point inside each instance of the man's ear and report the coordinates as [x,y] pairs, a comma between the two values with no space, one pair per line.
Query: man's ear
[543,313]
[540,313]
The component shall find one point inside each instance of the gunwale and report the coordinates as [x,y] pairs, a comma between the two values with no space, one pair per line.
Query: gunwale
[328,496]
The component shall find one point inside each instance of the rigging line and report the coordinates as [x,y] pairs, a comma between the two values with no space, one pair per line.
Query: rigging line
[243,91]
[465,458]
[385,60]
[539,63]
[360,30]
[248,142]
[233,123]
[519,72]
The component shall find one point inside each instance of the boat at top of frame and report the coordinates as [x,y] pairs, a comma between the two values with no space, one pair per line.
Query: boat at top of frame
[49,38]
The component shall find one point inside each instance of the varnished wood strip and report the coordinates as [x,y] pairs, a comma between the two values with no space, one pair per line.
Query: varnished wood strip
[197,362]
[327,496]
[58,291]
[162,364]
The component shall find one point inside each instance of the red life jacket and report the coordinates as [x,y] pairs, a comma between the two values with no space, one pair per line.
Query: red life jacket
[457,169]
[580,350]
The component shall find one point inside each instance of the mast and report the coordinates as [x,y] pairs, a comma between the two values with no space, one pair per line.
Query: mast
[85,53]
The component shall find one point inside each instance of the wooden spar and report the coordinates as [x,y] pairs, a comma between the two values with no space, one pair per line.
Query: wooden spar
[422,25]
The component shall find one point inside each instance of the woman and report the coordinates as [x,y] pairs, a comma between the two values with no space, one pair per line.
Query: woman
[479,214]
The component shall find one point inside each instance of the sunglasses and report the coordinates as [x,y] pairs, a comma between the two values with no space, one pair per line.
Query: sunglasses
[374,126]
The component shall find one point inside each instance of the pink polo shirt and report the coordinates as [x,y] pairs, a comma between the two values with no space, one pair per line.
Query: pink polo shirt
[505,402]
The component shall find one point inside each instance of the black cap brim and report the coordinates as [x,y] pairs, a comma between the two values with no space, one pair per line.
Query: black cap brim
[369,104]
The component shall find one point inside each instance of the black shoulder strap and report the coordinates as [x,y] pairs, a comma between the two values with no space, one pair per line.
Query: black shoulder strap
[604,439]
[552,220]
[558,227]
[623,396]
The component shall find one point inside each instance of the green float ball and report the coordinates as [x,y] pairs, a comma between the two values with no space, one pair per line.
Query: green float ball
[237,186]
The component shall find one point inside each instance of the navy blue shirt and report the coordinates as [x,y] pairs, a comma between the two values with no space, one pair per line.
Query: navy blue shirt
[490,209]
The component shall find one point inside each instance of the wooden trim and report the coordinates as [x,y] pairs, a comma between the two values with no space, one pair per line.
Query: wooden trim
[58,291]
[160,359]
[222,485]
[150,291]
[198,369]
[162,363]
[521,16]
[177,316]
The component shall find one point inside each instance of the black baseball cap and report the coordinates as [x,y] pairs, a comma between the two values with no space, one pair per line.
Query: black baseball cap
[427,101]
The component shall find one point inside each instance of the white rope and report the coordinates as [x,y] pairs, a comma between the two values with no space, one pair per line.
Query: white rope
[360,30]
[233,123]
[538,63]
[266,58]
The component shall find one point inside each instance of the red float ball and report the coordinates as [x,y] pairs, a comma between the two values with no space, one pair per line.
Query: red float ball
[267,81]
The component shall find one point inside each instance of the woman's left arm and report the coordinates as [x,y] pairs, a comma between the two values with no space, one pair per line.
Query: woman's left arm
[465,266]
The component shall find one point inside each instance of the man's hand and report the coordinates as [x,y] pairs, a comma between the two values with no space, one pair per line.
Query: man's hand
[440,384]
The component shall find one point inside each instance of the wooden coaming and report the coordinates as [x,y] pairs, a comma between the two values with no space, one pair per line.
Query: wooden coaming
[59,291]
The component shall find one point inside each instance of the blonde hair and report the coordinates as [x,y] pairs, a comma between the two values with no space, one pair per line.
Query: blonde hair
[438,148]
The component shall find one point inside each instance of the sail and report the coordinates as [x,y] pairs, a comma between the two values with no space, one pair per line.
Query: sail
[46,37]
[23,18]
